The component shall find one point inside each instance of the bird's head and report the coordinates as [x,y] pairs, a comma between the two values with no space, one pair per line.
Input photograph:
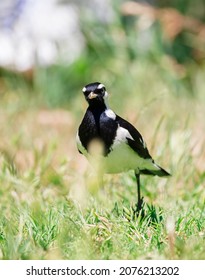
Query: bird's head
[95,93]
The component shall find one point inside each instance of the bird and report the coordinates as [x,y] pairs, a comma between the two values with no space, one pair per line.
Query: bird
[122,146]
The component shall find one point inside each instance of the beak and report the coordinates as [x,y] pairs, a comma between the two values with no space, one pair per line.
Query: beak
[92,95]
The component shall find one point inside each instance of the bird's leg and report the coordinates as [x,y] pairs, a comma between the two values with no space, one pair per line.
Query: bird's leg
[140,200]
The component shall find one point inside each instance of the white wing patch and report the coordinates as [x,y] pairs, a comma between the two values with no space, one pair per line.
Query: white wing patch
[110,114]
[122,135]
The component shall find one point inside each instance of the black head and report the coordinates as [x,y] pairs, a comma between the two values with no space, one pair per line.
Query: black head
[95,93]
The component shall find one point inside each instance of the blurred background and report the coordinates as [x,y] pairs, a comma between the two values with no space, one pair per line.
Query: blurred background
[52,48]
[145,52]
[151,57]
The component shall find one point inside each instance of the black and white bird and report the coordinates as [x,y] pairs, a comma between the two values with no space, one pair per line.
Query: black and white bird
[123,147]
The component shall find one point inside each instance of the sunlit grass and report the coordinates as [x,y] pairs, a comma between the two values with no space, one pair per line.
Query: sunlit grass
[46,209]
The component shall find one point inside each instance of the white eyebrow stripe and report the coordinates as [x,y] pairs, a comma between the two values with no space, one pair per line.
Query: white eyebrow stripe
[84,89]
[100,86]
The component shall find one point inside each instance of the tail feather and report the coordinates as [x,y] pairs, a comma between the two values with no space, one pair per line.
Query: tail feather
[157,170]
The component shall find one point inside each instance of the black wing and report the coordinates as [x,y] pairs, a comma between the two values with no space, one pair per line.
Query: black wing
[137,143]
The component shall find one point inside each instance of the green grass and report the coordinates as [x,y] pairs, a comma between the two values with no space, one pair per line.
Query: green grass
[50,207]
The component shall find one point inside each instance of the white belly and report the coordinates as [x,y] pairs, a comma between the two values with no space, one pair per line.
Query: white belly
[122,158]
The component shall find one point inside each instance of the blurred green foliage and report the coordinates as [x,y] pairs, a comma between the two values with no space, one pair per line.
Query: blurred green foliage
[113,53]
[187,7]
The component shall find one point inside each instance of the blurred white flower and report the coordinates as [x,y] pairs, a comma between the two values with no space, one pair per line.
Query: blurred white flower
[38,32]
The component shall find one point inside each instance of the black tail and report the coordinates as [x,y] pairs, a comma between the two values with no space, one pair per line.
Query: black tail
[159,171]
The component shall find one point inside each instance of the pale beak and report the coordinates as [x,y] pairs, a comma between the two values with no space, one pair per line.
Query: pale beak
[92,95]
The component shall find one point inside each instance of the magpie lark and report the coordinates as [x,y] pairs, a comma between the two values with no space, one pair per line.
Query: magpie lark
[122,146]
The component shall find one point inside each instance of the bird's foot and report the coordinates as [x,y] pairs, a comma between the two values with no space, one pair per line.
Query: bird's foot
[138,210]
[140,204]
